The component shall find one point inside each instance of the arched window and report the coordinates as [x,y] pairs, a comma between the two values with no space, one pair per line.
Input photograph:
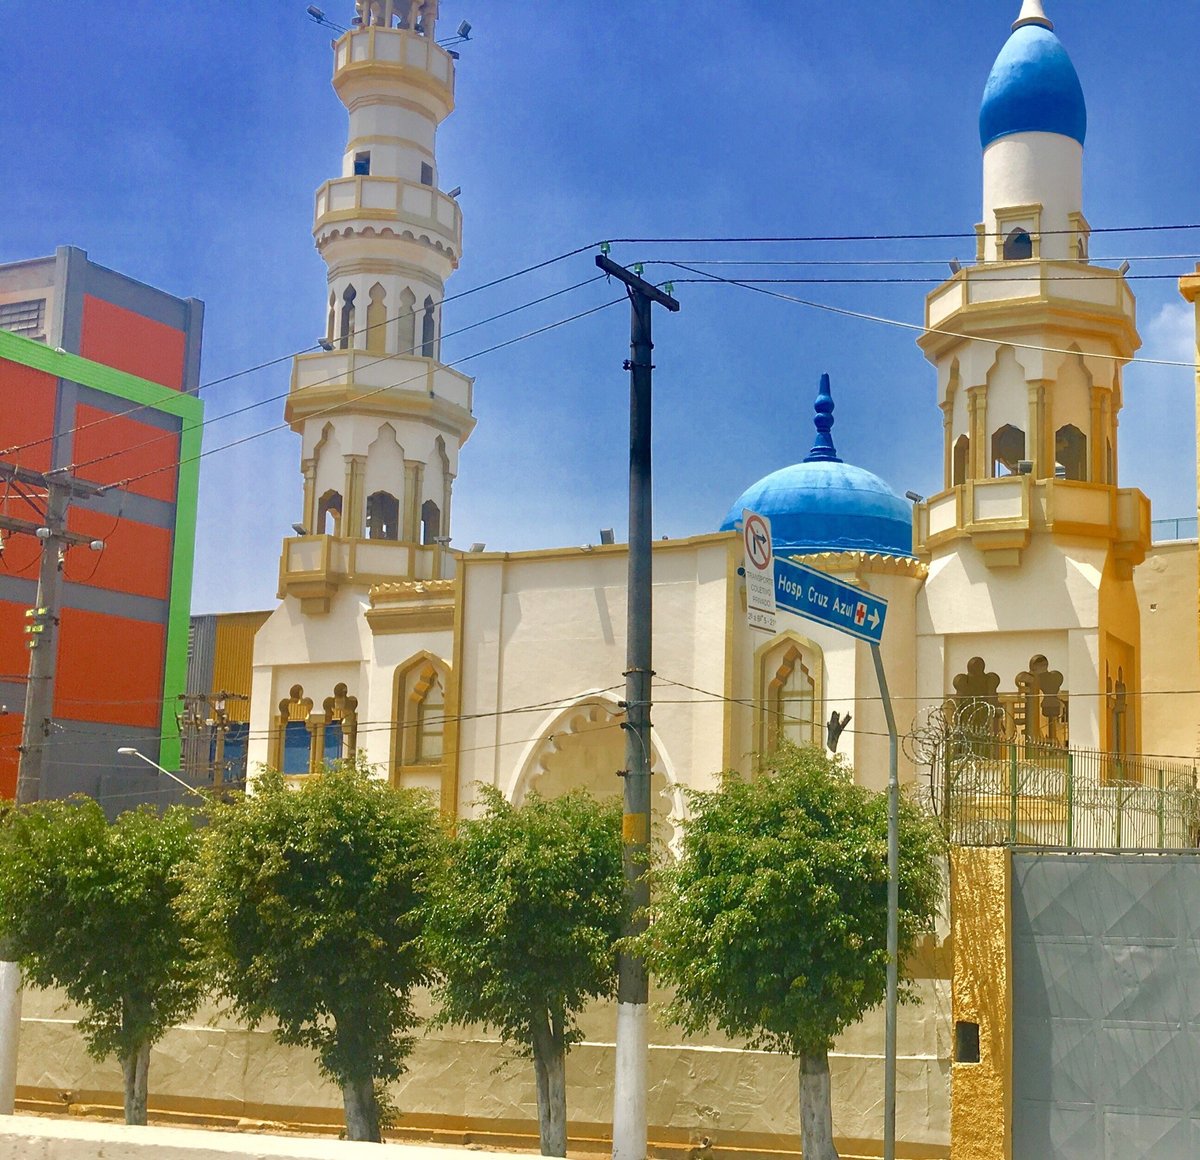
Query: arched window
[1018,246]
[430,724]
[793,697]
[346,328]
[329,514]
[420,713]
[377,320]
[1008,449]
[383,516]
[428,331]
[431,522]
[293,741]
[341,725]
[962,456]
[1070,450]
[408,323]
[1110,463]
[789,684]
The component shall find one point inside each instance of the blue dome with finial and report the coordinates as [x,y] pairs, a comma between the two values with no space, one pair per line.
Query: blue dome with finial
[1033,87]
[825,505]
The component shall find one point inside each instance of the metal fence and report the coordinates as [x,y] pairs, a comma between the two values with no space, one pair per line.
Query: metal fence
[991,793]
[1184,528]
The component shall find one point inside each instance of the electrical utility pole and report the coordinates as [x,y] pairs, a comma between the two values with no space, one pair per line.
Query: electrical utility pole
[42,630]
[633,992]
[43,618]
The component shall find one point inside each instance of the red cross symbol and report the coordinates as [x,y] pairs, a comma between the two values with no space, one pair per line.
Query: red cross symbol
[860,613]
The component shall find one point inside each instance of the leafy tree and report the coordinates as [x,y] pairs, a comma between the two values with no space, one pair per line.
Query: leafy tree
[313,903]
[524,930]
[773,923]
[89,907]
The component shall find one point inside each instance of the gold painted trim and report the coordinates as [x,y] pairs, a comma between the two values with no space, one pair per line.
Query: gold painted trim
[431,618]
[733,609]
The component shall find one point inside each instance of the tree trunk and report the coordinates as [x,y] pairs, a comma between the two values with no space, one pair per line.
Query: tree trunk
[135,1068]
[550,1070]
[362,1111]
[816,1108]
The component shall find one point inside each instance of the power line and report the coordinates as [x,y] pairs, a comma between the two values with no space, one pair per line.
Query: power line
[124,483]
[774,239]
[363,364]
[310,349]
[703,276]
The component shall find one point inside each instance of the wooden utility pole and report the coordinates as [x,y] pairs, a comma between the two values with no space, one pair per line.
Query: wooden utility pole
[633,991]
[42,620]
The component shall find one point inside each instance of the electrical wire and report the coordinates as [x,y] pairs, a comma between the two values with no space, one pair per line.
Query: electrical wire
[915,237]
[417,377]
[704,277]
[276,361]
[124,483]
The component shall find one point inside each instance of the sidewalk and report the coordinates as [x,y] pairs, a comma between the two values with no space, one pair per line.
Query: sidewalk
[44,1138]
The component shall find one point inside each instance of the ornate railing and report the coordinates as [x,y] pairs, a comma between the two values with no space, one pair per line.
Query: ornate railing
[991,790]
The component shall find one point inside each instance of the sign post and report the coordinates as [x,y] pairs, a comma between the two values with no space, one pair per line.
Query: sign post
[760,571]
[820,597]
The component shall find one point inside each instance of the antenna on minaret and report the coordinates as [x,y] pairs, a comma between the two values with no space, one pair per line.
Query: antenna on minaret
[1032,12]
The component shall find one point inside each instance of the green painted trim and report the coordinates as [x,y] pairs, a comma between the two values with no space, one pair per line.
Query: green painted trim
[110,381]
[187,489]
[190,411]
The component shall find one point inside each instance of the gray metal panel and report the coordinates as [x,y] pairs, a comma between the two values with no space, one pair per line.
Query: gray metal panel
[202,644]
[1106,1002]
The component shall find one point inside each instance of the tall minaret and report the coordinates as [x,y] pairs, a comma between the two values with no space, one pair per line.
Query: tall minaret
[382,419]
[1031,544]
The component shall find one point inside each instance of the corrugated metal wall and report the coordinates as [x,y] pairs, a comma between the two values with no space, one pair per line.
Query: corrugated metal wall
[1106,1002]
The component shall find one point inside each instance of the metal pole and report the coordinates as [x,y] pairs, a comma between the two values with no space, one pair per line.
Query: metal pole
[893,917]
[633,992]
[43,651]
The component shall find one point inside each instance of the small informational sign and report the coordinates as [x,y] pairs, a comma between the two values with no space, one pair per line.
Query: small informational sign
[760,571]
[818,596]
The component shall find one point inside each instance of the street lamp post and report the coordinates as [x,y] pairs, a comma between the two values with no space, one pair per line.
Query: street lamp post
[129,751]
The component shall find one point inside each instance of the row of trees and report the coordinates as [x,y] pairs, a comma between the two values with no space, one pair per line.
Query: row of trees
[324,908]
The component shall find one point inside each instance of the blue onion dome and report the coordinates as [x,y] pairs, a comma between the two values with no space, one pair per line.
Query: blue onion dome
[825,505]
[1033,86]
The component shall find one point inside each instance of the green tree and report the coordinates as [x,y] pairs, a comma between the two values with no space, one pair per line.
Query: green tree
[524,930]
[89,907]
[773,923]
[312,902]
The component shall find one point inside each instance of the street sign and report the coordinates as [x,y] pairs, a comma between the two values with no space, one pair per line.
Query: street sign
[760,571]
[818,596]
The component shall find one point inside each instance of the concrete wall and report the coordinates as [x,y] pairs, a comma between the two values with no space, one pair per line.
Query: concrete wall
[463,1085]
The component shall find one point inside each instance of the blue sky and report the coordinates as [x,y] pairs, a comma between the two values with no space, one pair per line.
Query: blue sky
[182,144]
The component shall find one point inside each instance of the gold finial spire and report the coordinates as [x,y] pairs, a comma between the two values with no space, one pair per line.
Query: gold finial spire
[1032,12]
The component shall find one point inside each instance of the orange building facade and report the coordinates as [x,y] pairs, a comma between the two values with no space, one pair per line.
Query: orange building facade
[99,375]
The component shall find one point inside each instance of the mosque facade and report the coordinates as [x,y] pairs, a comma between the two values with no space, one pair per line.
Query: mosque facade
[1028,608]
[1014,586]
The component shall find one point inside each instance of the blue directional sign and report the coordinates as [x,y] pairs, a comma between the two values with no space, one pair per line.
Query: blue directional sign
[820,597]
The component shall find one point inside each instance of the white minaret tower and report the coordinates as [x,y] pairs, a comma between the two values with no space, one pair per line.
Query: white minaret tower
[1031,544]
[382,419]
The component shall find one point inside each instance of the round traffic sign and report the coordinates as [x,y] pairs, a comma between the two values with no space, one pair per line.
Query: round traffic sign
[756,533]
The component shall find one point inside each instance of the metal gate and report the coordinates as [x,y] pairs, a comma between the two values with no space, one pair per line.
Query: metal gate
[1106,1006]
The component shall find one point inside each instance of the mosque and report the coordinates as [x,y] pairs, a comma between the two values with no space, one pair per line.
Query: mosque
[1028,585]
[1013,585]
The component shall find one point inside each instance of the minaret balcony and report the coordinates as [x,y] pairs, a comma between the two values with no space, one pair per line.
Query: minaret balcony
[370,58]
[313,568]
[985,298]
[1000,516]
[363,382]
[347,205]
